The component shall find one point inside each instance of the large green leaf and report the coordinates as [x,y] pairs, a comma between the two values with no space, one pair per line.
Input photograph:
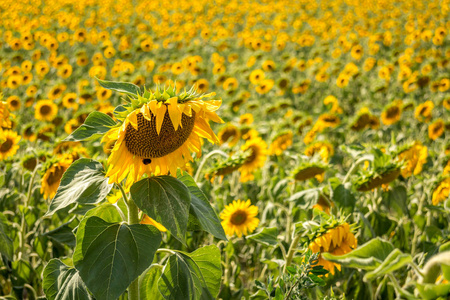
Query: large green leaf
[267,236]
[121,87]
[95,125]
[109,256]
[192,276]
[431,291]
[6,244]
[166,200]
[395,260]
[63,282]
[367,257]
[343,197]
[201,208]
[83,182]
[106,211]
[64,233]
[148,284]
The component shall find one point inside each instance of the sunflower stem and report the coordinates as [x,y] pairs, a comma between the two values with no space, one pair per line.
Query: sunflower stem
[133,218]
[205,159]
[291,252]
[352,168]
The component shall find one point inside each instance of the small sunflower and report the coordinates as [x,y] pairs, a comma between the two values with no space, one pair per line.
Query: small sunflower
[324,149]
[337,241]
[280,143]
[414,156]
[52,176]
[8,143]
[423,111]
[442,191]
[157,133]
[392,113]
[309,170]
[45,110]
[257,150]
[436,129]
[239,218]
[5,115]
[229,134]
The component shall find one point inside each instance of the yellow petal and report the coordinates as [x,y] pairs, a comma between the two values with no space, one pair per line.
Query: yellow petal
[174,112]
[160,118]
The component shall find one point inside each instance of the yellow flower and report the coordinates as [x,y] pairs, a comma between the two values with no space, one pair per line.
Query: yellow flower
[246,119]
[281,143]
[52,176]
[442,191]
[337,241]
[257,149]
[13,103]
[415,157]
[5,120]
[265,86]
[229,134]
[392,113]
[157,137]
[436,129]
[423,111]
[239,218]
[8,143]
[45,110]
[324,149]
[113,198]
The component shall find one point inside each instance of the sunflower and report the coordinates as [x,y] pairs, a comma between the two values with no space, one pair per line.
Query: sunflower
[423,111]
[156,133]
[257,149]
[375,180]
[5,120]
[280,143]
[309,170]
[246,119]
[436,129]
[324,149]
[13,103]
[229,134]
[415,157]
[8,143]
[337,241]
[52,176]
[227,166]
[45,110]
[442,191]
[70,101]
[239,218]
[392,113]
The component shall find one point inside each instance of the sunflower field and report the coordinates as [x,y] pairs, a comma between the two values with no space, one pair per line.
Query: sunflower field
[257,149]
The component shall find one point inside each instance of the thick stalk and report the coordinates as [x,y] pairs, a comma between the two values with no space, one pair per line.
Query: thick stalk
[291,252]
[133,218]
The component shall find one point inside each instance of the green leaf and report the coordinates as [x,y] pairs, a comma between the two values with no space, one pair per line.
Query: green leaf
[109,256]
[64,233]
[107,212]
[6,243]
[267,236]
[121,87]
[63,282]
[95,125]
[148,284]
[397,198]
[430,291]
[83,182]
[166,200]
[192,276]
[367,257]
[395,260]
[343,197]
[201,208]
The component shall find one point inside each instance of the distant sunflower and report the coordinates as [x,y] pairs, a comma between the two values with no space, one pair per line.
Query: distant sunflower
[309,170]
[70,101]
[229,134]
[5,120]
[52,176]
[337,241]
[423,111]
[392,113]
[414,156]
[442,191]
[280,143]
[13,103]
[45,110]
[8,143]
[257,149]
[239,218]
[436,129]
[158,133]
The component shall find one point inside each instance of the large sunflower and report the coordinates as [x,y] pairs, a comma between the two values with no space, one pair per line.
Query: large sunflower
[8,143]
[239,218]
[257,149]
[157,133]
